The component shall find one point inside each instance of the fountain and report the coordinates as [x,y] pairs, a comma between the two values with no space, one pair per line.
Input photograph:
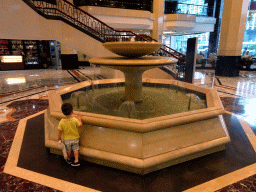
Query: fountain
[136,125]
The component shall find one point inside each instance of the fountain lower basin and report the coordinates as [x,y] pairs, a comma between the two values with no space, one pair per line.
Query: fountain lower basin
[143,146]
[157,100]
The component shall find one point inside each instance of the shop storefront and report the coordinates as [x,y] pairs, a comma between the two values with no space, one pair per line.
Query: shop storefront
[31,54]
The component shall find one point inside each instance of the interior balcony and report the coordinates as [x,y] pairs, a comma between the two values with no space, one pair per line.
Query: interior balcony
[187,23]
[141,21]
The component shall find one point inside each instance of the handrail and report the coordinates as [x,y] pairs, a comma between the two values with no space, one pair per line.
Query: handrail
[86,22]
[169,50]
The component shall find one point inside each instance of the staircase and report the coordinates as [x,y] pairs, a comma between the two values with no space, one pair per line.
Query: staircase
[77,18]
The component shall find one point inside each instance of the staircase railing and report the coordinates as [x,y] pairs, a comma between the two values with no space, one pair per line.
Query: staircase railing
[83,21]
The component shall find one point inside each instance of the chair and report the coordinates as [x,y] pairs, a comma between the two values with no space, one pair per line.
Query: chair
[199,59]
[212,59]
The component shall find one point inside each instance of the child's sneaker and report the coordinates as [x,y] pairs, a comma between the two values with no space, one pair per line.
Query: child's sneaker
[75,164]
[68,161]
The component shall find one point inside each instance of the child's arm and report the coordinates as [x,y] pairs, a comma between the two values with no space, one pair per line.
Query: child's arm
[59,135]
[79,117]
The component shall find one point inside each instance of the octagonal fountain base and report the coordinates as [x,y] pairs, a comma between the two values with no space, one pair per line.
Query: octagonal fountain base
[142,146]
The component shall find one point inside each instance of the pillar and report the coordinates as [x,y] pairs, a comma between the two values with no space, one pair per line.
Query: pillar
[158,24]
[214,36]
[231,37]
[191,60]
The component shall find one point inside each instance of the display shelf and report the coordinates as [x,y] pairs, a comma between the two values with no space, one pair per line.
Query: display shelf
[4,47]
[32,61]
[17,47]
[31,50]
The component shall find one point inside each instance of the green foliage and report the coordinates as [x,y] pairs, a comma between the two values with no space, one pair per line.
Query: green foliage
[252,47]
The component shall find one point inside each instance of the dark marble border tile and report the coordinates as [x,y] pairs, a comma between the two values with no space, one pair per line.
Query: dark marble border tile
[10,183]
[239,154]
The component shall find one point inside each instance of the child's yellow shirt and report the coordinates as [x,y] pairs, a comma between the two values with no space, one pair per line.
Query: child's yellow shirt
[69,128]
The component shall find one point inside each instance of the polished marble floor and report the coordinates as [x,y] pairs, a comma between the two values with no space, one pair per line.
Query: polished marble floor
[24,93]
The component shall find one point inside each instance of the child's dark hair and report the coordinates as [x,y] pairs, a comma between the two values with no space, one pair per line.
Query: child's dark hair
[67,108]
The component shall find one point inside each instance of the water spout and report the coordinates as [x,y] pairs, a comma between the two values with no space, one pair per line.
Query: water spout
[193,98]
[78,99]
[127,109]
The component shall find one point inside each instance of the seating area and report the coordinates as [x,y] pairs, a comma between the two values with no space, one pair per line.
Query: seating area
[203,62]
[246,61]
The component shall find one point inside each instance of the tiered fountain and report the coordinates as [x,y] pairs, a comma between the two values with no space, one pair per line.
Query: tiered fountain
[135,125]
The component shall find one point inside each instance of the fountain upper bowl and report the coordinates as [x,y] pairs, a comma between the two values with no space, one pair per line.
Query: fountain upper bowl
[132,49]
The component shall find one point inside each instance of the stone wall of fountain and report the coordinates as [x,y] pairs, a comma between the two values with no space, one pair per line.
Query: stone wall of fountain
[142,146]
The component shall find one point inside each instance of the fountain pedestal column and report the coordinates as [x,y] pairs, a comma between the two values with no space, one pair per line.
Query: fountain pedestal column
[133,69]
[133,84]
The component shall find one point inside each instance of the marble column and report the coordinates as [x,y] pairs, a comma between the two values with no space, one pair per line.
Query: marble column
[158,24]
[231,37]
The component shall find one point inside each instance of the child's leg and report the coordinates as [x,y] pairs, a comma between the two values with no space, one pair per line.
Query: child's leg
[69,155]
[68,148]
[75,148]
[76,154]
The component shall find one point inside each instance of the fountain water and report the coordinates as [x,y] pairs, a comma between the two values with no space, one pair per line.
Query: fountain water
[78,100]
[132,138]
[155,101]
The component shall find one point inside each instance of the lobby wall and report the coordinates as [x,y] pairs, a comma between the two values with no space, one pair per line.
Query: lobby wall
[19,21]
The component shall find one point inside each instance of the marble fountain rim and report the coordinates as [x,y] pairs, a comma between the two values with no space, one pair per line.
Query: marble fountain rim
[214,109]
[134,62]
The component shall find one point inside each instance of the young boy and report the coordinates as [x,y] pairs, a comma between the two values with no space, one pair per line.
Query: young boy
[68,130]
